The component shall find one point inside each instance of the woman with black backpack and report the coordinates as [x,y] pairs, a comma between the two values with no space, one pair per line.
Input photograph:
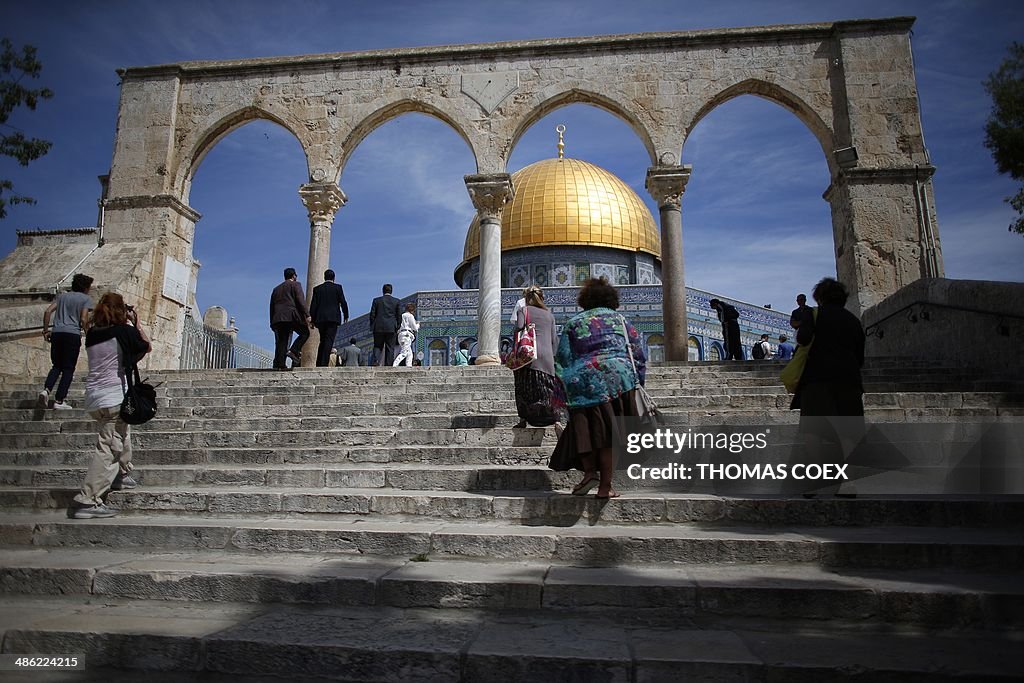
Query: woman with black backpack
[114,342]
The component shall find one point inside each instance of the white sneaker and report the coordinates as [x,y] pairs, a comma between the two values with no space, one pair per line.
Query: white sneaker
[123,482]
[62,405]
[43,398]
[93,512]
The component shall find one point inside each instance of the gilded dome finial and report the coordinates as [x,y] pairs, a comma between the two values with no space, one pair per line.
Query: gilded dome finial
[561,142]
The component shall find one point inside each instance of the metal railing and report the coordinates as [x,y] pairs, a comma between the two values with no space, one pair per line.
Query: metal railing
[246,355]
[919,310]
[203,347]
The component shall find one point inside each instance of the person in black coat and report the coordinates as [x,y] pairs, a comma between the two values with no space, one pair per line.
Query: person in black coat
[729,317]
[831,382]
[324,307]
[287,315]
[385,319]
[830,392]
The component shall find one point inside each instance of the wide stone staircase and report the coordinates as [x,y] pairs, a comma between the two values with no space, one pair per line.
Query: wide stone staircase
[391,525]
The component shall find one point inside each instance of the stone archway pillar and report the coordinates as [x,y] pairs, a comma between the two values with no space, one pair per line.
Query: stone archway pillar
[666,185]
[322,201]
[885,231]
[489,194]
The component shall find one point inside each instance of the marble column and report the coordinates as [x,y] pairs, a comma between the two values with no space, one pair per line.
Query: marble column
[666,185]
[322,201]
[489,194]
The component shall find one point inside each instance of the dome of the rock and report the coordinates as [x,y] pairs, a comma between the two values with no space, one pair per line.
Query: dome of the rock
[569,203]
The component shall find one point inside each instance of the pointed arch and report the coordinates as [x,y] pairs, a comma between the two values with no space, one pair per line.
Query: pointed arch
[781,96]
[206,138]
[577,95]
[393,110]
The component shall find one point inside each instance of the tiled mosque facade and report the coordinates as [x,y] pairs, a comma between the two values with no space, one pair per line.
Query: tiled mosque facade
[448,317]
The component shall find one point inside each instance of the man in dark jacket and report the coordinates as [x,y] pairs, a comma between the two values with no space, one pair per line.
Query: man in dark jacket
[323,309]
[802,310]
[288,314]
[385,319]
[729,317]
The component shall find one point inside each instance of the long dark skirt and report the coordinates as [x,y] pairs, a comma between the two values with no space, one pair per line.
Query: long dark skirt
[591,430]
[831,410]
[535,392]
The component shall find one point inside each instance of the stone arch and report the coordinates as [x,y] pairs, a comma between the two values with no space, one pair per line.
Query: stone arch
[576,95]
[393,110]
[206,137]
[772,92]
[661,85]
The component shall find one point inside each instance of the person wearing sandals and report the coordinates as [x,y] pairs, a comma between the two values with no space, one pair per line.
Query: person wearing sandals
[111,344]
[536,384]
[600,373]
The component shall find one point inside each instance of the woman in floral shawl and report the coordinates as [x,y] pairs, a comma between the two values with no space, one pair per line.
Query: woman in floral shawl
[594,364]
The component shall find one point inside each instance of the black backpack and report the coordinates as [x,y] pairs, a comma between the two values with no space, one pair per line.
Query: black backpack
[139,405]
[758,351]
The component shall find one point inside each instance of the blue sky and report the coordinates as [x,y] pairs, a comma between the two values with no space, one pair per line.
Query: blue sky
[755,225]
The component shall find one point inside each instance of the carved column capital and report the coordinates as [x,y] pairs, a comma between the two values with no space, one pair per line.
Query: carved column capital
[489,193]
[667,184]
[322,201]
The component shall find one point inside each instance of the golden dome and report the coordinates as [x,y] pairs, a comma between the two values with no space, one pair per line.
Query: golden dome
[568,201]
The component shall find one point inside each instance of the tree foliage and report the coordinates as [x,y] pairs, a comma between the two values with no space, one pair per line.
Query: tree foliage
[15,68]
[1004,132]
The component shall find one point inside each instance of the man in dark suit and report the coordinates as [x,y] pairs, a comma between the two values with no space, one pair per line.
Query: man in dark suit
[385,318]
[323,308]
[288,314]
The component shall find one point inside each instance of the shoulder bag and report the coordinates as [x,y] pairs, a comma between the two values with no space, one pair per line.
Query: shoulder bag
[139,404]
[794,369]
[525,351]
[646,409]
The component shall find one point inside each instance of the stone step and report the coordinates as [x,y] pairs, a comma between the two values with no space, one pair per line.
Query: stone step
[471,372]
[401,383]
[947,599]
[303,492]
[408,472]
[397,645]
[249,418]
[832,547]
[79,424]
[218,427]
[226,410]
[743,385]
[523,454]
[967,403]
[144,439]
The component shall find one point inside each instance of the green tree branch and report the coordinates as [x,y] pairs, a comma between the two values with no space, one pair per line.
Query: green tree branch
[14,68]
[1004,131]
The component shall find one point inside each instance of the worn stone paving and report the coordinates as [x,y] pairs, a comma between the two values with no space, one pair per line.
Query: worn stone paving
[279,532]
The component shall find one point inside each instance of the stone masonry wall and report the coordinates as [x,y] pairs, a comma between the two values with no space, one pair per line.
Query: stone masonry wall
[966,323]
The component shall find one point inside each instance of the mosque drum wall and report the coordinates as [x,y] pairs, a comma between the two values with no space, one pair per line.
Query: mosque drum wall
[450,316]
